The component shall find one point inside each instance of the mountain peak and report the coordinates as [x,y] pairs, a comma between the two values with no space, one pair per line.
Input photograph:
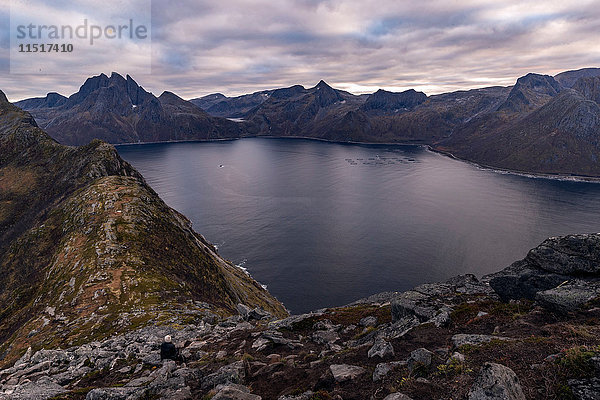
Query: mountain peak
[3,99]
[530,91]
[383,101]
[323,84]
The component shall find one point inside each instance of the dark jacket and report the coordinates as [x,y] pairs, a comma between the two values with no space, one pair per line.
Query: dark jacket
[168,351]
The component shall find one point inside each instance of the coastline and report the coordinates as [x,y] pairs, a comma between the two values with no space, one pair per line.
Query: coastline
[526,174]
[429,147]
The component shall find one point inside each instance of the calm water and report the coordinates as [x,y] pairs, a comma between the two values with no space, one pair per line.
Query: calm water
[324,224]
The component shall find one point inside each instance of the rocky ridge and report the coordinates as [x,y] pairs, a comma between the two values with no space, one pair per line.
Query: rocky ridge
[89,250]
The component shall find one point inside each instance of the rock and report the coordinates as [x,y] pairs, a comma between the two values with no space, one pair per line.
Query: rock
[116,393]
[344,372]
[419,358]
[496,382]
[552,263]
[152,359]
[568,255]
[258,314]
[382,369]
[278,339]
[381,349]
[304,396]
[368,321]
[456,357]
[42,389]
[398,329]
[326,325]
[24,359]
[585,389]
[232,373]
[413,303]
[568,297]
[243,310]
[324,337]
[291,322]
[469,284]
[274,358]
[442,318]
[234,392]
[522,281]
[462,339]
[397,396]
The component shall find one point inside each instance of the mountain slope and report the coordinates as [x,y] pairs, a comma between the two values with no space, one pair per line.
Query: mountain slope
[118,110]
[87,249]
[568,78]
[219,105]
[560,137]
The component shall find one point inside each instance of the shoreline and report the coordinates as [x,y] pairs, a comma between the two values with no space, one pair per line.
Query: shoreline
[507,171]
[429,147]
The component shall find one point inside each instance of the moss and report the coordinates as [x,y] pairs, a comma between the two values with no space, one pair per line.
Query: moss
[364,332]
[577,363]
[321,395]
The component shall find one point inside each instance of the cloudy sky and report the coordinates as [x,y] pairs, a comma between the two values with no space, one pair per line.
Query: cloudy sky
[240,46]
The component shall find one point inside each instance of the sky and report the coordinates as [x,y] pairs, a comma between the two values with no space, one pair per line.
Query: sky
[241,46]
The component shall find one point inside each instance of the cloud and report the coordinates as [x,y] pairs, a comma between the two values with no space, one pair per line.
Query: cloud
[239,46]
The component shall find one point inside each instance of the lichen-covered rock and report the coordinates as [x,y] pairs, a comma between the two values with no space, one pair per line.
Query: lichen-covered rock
[462,339]
[344,372]
[382,349]
[569,297]
[565,270]
[419,358]
[382,369]
[585,389]
[496,382]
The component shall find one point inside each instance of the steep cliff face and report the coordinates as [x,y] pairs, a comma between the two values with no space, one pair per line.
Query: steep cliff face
[87,249]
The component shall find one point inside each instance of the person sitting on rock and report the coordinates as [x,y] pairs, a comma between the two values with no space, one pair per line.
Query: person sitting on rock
[168,350]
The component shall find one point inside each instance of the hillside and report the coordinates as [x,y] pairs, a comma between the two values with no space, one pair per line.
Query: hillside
[537,129]
[88,249]
[219,105]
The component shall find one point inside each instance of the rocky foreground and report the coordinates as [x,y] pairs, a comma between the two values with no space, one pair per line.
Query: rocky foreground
[531,331]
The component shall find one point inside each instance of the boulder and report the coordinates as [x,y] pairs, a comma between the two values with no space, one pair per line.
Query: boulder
[382,369]
[42,389]
[568,297]
[568,255]
[232,373]
[413,303]
[234,392]
[419,358]
[382,349]
[324,337]
[115,393]
[496,382]
[344,372]
[462,339]
[557,261]
[585,389]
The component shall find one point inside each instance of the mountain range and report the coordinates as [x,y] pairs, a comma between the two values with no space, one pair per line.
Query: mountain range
[542,124]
